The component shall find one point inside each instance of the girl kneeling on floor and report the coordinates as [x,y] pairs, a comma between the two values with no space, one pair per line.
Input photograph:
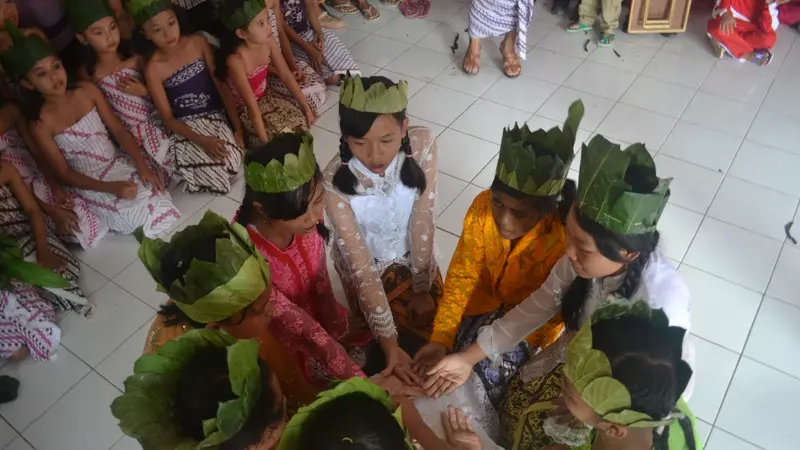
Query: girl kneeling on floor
[110,65]
[191,102]
[282,210]
[247,53]
[380,196]
[77,133]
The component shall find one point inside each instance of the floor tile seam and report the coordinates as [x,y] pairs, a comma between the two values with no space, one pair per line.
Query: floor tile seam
[757,233]
[737,437]
[21,433]
[147,323]
[747,339]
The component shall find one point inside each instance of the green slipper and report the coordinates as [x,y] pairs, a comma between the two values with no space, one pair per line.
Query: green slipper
[578,28]
[606,40]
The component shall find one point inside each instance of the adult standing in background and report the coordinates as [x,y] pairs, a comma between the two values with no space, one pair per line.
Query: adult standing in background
[50,17]
[507,18]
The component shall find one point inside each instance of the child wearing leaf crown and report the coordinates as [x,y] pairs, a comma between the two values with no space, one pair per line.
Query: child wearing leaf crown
[110,64]
[513,236]
[77,133]
[30,294]
[611,249]
[65,213]
[620,383]
[380,196]
[282,210]
[248,52]
[211,391]
[194,105]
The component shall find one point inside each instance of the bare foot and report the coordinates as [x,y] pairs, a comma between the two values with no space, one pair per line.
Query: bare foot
[333,80]
[472,60]
[20,354]
[511,64]
[759,57]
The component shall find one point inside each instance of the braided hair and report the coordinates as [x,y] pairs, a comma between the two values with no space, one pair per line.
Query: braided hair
[357,124]
[610,245]
[647,360]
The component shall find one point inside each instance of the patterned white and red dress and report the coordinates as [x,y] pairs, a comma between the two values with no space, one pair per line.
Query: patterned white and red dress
[88,149]
[28,313]
[140,117]
[306,317]
[90,228]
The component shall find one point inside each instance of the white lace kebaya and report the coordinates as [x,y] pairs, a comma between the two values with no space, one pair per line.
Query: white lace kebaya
[384,224]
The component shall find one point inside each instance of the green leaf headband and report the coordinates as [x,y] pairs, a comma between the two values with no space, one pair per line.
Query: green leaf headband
[209,291]
[144,10]
[589,370]
[14,266]
[83,13]
[378,99]
[241,17]
[294,430]
[537,163]
[295,171]
[24,52]
[619,189]
[146,411]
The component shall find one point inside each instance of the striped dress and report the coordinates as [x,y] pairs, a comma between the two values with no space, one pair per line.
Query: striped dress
[337,58]
[140,117]
[194,100]
[28,313]
[88,149]
[90,228]
[488,18]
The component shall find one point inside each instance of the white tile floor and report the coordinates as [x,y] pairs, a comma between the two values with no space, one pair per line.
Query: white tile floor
[727,132]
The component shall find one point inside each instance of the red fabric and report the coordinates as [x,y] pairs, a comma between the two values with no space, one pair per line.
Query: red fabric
[306,317]
[789,13]
[746,37]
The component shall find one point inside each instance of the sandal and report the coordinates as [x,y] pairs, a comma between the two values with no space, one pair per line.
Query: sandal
[331,23]
[390,2]
[762,57]
[512,68]
[346,8]
[606,40]
[716,47]
[370,13]
[578,27]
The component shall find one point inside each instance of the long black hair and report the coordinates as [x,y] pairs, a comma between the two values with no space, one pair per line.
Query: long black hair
[145,48]
[204,383]
[357,124]
[229,42]
[31,101]
[647,360]
[544,205]
[285,205]
[609,245]
[353,422]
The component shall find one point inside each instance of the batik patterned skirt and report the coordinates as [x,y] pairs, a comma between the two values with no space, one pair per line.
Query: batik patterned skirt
[202,172]
[488,18]
[278,113]
[337,58]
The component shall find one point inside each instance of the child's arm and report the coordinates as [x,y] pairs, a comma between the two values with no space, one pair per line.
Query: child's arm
[313,12]
[122,136]
[27,200]
[238,76]
[314,55]
[224,91]
[283,72]
[286,45]
[155,83]
[51,154]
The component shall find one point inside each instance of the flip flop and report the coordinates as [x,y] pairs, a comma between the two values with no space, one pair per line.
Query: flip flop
[511,62]
[329,22]
[716,47]
[346,8]
[578,28]
[606,40]
[370,13]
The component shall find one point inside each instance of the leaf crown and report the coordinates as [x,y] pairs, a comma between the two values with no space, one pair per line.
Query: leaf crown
[241,16]
[144,10]
[83,13]
[378,99]
[276,177]
[24,52]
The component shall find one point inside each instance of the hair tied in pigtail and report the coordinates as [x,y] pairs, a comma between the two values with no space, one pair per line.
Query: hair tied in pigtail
[345,158]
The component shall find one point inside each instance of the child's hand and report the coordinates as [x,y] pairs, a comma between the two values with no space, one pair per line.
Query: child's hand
[214,147]
[124,189]
[149,178]
[65,219]
[239,136]
[458,430]
[299,75]
[727,24]
[309,113]
[316,59]
[61,198]
[319,42]
[46,258]
[133,86]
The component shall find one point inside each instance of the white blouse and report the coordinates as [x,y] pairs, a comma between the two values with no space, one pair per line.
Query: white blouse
[661,287]
[385,223]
